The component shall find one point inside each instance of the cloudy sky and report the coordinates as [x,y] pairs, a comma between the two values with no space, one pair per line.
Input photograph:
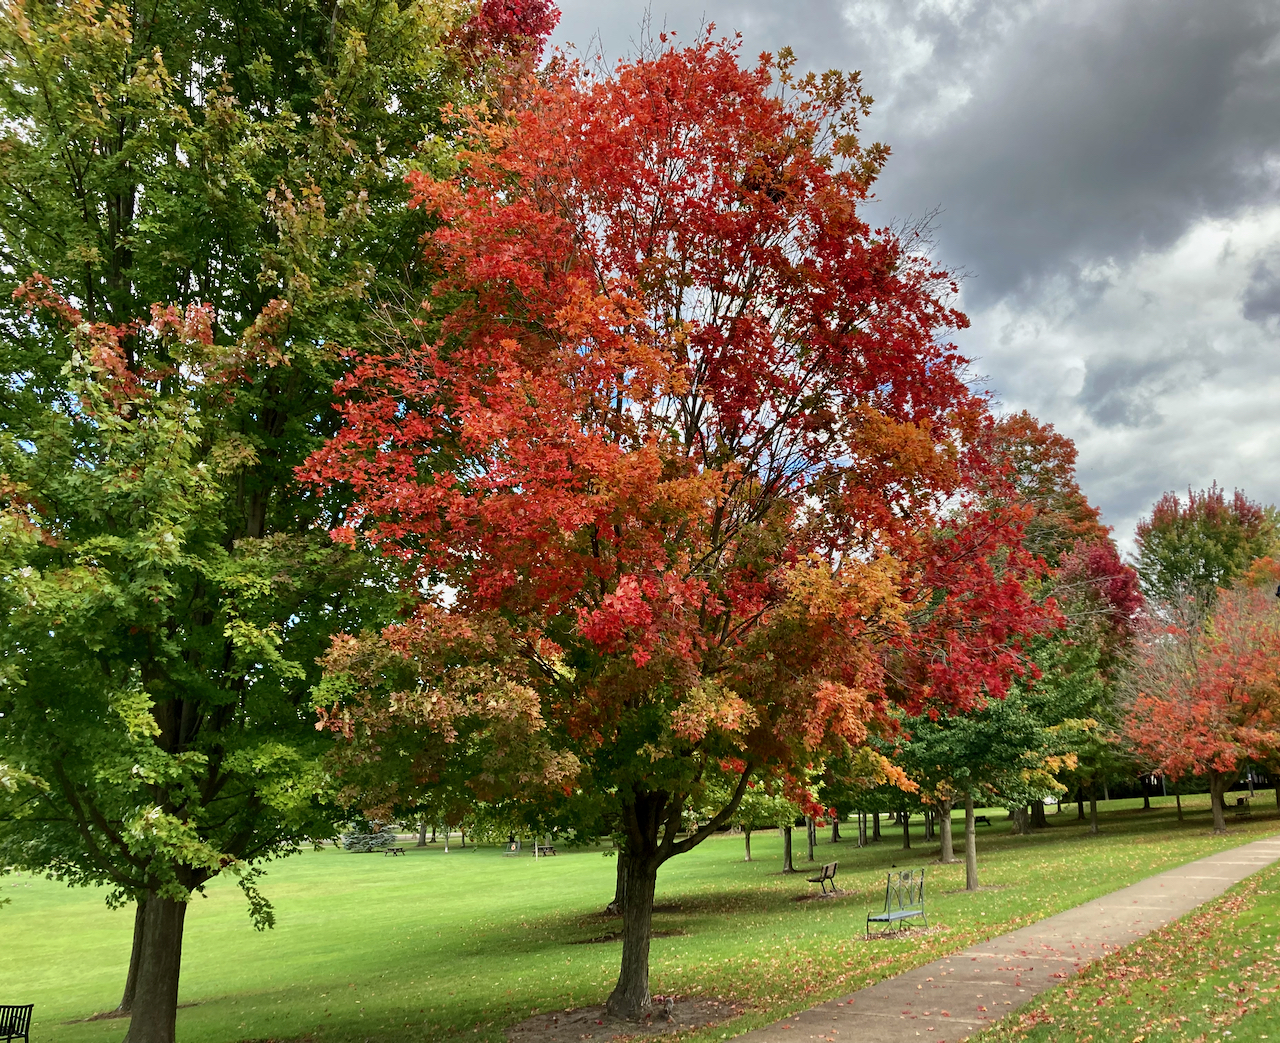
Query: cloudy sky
[1107,173]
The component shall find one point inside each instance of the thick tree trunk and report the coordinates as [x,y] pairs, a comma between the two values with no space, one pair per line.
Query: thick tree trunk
[862,826]
[155,1000]
[1080,804]
[1218,786]
[970,846]
[906,830]
[835,829]
[135,958]
[875,825]
[1021,821]
[746,835]
[948,855]
[630,997]
[422,833]
[619,902]
[1093,811]
[787,867]
[1038,821]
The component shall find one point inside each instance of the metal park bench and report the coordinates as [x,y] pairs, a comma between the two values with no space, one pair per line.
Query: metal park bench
[392,851]
[1242,808]
[903,900]
[15,1023]
[827,875]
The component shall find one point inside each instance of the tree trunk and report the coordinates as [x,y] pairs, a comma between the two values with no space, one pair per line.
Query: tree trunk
[811,833]
[422,833]
[1178,799]
[1021,821]
[970,846]
[906,830]
[1218,786]
[1277,785]
[1093,810]
[463,834]
[433,833]
[1038,821]
[948,855]
[630,997]
[1106,793]
[619,902]
[1080,804]
[155,1000]
[835,829]
[787,867]
[135,957]
[862,825]
[746,835]
[1146,793]
[875,825]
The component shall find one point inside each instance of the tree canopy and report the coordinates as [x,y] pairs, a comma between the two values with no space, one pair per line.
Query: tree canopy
[683,441]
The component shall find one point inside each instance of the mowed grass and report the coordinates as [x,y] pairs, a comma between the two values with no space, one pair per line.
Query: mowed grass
[434,947]
[1213,975]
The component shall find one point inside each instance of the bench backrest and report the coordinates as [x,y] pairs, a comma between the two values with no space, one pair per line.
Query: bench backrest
[15,1021]
[829,870]
[904,891]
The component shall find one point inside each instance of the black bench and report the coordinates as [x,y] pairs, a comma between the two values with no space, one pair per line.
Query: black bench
[981,820]
[1242,808]
[827,875]
[15,1023]
[545,849]
[392,851]
[903,901]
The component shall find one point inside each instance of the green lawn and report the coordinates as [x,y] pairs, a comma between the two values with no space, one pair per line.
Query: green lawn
[1213,975]
[432,946]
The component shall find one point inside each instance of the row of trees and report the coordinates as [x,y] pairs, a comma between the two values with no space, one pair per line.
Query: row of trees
[389,424]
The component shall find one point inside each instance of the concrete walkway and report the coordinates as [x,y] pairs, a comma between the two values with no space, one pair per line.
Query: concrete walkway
[959,995]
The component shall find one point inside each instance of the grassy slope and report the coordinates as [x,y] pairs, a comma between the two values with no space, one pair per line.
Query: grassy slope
[431,946]
[1213,975]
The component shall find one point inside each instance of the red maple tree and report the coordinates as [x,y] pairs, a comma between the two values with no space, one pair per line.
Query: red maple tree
[684,443]
[1207,700]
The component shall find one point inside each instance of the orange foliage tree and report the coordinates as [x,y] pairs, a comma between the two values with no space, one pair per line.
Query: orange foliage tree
[682,450]
[1207,700]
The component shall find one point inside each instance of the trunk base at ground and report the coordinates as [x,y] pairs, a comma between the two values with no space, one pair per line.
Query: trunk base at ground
[944,828]
[630,997]
[970,846]
[746,835]
[1093,813]
[906,830]
[1038,821]
[835,829]
[787,867]
[875,825]
[1218,786]
[155,1000]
